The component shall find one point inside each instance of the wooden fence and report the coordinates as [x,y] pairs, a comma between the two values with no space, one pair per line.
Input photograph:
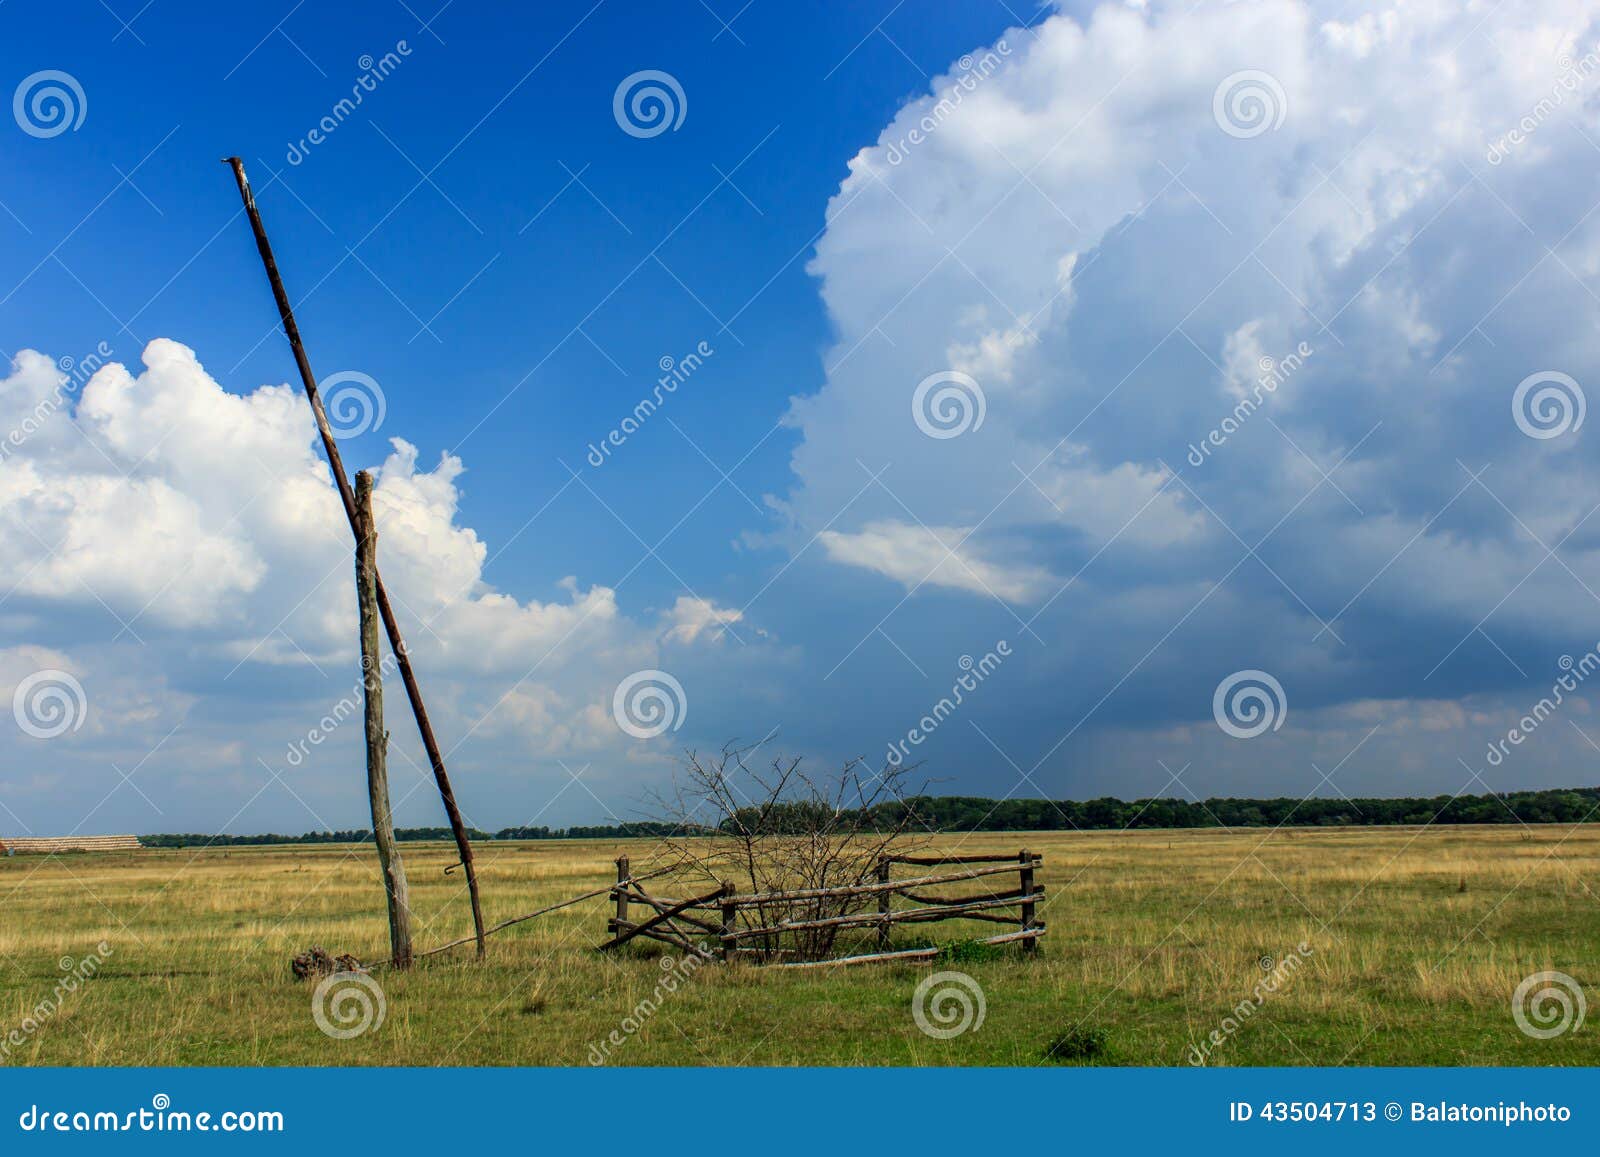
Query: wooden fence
[725,923]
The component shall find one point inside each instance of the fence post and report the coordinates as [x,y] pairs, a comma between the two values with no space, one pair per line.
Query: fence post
[883,903]
[1026,885]
[389,861]
[622,894]
[730,922]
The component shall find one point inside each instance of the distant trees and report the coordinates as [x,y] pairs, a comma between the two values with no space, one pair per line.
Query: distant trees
[957,813]
[967,813]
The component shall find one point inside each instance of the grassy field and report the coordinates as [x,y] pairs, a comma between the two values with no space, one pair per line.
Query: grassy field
[1417,939]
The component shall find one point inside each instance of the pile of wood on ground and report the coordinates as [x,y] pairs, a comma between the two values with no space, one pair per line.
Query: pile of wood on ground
[44,845]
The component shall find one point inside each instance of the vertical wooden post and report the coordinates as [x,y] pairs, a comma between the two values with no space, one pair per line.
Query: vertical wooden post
[397,644]
[884,900]
[1026,887]
[730,922]
[394,872]
[623,875]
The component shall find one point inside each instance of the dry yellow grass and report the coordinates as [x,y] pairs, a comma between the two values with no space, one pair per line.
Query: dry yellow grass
[1416,940]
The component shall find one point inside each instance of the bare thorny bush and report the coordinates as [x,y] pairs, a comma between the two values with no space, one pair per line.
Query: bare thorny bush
[777,828]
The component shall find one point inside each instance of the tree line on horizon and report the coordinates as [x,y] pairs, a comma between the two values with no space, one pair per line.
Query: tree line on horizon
[958,814]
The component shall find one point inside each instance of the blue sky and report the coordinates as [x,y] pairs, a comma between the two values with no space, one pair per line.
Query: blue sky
[1122,229]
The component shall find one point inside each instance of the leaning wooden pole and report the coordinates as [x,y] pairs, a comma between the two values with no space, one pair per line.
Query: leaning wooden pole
[347,496]
[394,872]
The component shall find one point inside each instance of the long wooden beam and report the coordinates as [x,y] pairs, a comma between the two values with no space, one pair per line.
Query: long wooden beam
[662,917]
[758,898]
[347,496]
[936,861]
[863,919]
[1027,935]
